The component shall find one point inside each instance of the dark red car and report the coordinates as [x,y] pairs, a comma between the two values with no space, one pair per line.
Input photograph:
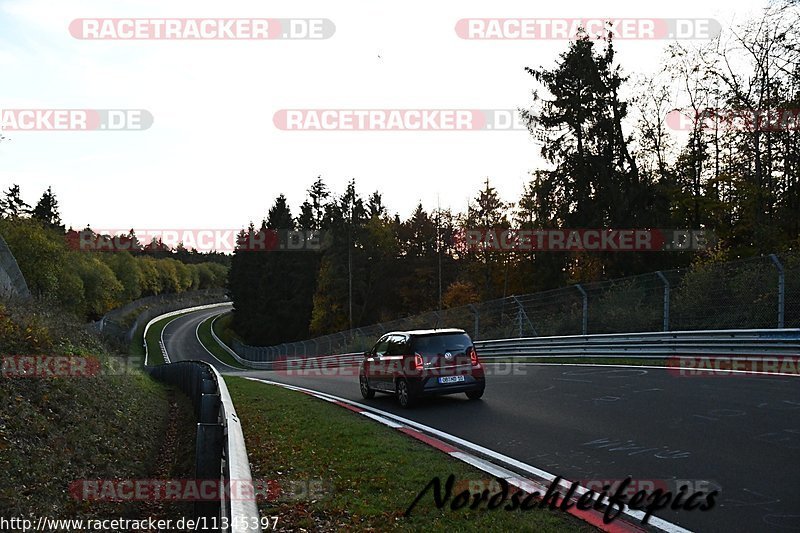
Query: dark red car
[412,364]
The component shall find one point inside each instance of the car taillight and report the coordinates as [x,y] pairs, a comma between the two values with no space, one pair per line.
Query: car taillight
[473,356]
[418,362]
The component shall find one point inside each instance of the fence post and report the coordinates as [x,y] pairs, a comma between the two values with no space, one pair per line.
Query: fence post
[781,288]
[585,308]
[360,334]
[519,316]
[666,299]
[522,314]
[477,320]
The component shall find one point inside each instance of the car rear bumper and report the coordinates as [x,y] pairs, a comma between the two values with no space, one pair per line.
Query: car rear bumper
[430,386]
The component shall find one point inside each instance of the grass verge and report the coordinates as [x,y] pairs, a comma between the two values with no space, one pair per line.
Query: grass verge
[55,431]
[154,355]
[204,333]
[372,472]
[223,329]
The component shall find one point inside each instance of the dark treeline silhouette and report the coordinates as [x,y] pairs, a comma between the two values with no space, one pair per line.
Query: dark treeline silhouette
[612,163]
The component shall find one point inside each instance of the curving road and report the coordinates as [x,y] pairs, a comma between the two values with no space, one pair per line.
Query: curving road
[738,434]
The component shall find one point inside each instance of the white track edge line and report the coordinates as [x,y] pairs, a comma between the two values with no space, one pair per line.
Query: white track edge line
[654,521]
[197,336]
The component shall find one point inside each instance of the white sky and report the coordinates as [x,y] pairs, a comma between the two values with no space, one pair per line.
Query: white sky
[214,159]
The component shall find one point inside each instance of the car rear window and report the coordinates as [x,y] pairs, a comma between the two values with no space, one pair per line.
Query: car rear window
[455,343]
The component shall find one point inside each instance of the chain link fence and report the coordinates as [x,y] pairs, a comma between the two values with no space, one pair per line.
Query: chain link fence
[761,292]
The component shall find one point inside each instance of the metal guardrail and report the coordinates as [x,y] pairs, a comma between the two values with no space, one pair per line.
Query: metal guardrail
[744,342]
[643,345]
[282,363]
[221,450]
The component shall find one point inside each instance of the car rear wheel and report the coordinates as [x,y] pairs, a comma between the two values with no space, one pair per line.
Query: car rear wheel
[366,392]
[404,396]
[475,394]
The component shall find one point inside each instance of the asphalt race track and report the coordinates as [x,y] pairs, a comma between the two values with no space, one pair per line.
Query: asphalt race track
[738,434]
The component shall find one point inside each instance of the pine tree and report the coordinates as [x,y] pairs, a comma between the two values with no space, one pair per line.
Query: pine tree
[46,209]
[488,269]
[595,181]
[12,206]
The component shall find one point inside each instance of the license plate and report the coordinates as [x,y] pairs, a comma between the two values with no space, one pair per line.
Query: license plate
[451,379]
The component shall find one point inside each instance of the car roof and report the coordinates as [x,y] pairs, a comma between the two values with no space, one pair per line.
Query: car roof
[421,332]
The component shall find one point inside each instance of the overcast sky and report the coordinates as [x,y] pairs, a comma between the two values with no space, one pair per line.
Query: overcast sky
[214,158]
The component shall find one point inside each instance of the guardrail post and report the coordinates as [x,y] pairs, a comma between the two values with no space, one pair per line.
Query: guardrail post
[209,408]
[205,386]
[209,466]
[666,299]
[585,327]
[477,320]
[781,288]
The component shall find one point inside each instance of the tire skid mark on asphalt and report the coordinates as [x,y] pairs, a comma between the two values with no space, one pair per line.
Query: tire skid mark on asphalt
[620,446]
[574,380]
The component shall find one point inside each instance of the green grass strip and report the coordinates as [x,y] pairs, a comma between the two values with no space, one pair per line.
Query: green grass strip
[371,472]
[204,333]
